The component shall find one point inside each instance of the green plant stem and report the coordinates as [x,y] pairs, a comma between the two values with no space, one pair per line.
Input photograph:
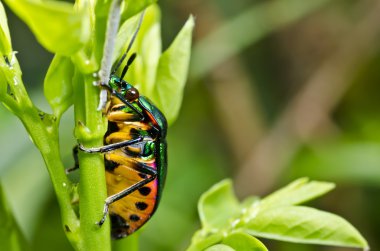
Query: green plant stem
[84,234]
[131,243]
[46,140]
[43,130]
[90,128]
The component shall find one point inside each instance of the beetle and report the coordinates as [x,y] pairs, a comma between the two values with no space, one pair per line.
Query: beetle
[135,154]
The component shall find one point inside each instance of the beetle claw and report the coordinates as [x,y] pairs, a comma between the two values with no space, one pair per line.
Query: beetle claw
[105,212]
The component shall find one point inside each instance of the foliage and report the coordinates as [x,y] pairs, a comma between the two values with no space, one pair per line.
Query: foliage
[277,216]
[203,156]
[71,31]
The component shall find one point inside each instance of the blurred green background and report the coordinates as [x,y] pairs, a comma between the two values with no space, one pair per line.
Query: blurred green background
[277,90]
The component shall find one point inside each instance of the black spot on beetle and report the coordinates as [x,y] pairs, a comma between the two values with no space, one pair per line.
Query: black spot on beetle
[143,175]
[118,221]
[112,127]
[141,205]
[110,165]
[134,217]
[145,191]
[120,227]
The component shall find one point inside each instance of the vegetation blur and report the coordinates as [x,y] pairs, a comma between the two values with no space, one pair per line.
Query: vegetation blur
[277,90]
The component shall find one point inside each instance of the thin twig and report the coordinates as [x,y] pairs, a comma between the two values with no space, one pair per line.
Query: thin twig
[109,46]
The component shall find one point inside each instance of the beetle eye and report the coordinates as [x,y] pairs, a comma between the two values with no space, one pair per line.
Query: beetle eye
[132,94]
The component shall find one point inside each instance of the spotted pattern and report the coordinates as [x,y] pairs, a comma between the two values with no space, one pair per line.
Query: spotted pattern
[134,217]
[119,226]
[144,191]
[136,204]
[140,205]
[110,165]
[123,170]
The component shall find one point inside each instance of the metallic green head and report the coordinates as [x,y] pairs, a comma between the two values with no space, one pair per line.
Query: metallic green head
[127,90]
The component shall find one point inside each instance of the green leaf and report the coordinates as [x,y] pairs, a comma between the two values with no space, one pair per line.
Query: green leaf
[221,247]
[148,44]
[11,237]
[5,38]
[58,26]
[131,8]
[242,241]
[172,73]
[127,26]
[143,71]
[99,8]
[58,87]
[305,225]
[218,206]
[202,240]
[274,217]
[124,35]
[234,241]
[297,192]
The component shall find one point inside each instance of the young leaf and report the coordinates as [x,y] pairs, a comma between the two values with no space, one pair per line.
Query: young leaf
[297,192]
[305,225]
[221,247]
[242,241]
[131,8]
[218,206]
[149,51]
[172,73]
[58,87]
[5,38]
[147,46]
[201,242]
[124,36]
[58,26]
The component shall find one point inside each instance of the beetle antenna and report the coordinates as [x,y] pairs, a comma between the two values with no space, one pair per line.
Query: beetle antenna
[130,44]
[126,67]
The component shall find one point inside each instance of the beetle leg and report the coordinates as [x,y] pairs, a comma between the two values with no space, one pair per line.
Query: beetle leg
[111,147]
[76,161]
[111,199]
